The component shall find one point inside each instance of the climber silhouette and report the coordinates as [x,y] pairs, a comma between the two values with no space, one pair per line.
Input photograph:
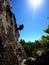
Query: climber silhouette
[20,27]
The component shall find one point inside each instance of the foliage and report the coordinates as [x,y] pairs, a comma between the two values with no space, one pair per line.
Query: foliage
[47,30]
[32,47]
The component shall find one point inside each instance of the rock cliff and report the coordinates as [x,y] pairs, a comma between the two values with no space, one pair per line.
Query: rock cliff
[11,51]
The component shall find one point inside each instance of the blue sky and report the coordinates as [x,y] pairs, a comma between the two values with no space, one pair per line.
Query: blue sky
[34,22]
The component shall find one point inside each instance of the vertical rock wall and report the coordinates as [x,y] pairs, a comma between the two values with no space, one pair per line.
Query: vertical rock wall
[11,51]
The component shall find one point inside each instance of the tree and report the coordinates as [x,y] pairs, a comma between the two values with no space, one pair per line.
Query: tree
[47,17]
[32,47]
[47,30]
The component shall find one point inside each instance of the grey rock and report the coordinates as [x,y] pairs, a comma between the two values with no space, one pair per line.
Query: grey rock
[11,51]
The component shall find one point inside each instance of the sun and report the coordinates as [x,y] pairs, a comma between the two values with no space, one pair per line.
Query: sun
[35,4]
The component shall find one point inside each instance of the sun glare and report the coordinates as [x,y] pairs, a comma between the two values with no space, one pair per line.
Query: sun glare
[35,4]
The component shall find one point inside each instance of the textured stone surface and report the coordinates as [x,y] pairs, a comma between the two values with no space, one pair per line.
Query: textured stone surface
[11,51]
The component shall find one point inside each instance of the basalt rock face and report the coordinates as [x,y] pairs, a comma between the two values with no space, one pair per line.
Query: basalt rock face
[11,51]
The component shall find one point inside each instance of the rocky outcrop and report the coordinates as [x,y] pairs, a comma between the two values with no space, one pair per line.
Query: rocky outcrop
[11,51]
[42,58]
[30,61]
